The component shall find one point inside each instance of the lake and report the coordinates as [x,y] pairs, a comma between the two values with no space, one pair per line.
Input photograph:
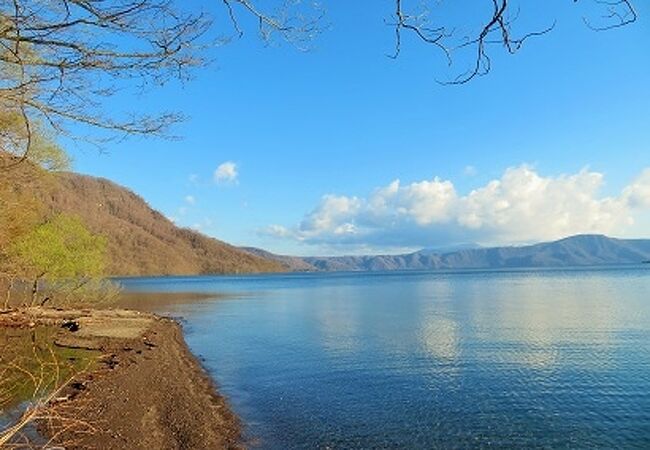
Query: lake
[503,359]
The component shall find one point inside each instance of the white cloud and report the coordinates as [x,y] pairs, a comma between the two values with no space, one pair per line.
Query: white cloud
[638,193]
[521,206]
[331,215]
[279,231]
[226,173]
[190,200]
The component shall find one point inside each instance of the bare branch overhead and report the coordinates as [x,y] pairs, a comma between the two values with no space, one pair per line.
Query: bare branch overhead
[61,59]
[496,30]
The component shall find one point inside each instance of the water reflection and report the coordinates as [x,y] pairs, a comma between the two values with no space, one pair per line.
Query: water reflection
[539,324]
[164,301]
[440,338]
[31,367]
[339,324]
[440,332]
[423,360]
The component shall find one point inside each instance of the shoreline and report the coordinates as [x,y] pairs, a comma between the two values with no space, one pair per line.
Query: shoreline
[146,391]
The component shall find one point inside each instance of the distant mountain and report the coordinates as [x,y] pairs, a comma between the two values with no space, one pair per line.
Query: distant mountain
[290,263]
[581,250]
[412,261]
[449,248]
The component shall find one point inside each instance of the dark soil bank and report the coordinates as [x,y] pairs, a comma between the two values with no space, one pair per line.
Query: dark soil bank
[147,392]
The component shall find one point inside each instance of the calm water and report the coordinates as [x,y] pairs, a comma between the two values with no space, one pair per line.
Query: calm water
[523,359]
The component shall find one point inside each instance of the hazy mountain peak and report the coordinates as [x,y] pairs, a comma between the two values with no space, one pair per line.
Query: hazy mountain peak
[579,250]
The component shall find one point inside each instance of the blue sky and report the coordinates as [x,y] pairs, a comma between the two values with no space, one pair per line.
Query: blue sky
[554,141]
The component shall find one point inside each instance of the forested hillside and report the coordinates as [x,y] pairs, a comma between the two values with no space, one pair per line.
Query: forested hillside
[141,241]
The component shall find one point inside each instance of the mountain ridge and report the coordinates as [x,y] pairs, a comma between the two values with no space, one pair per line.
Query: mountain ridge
[578,250]
[142,241]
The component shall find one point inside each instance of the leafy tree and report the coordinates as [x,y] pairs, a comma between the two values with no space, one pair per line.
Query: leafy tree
[59,250]
[19,213]
[20,210]
[23,220]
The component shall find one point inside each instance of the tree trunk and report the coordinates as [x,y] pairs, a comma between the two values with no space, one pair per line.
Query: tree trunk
[35,288]
[10,286]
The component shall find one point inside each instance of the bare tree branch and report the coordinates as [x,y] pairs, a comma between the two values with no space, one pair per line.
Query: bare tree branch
[294,21]
[619,14]
[495,31]
[61,59]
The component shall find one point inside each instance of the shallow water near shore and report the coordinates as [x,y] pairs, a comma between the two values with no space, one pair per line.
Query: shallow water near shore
[506,359]
[31,367]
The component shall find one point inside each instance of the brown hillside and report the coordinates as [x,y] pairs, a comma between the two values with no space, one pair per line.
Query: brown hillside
[141,241]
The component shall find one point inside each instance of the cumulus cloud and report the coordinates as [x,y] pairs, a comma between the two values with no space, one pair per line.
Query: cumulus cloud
[638,193]
[521,206]
[190,200]
[226,173]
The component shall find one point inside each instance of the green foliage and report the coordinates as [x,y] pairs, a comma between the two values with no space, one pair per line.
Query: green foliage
[61,248]
[20,210]
[55,257]
[19,213]
[35,144]
[47,154]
